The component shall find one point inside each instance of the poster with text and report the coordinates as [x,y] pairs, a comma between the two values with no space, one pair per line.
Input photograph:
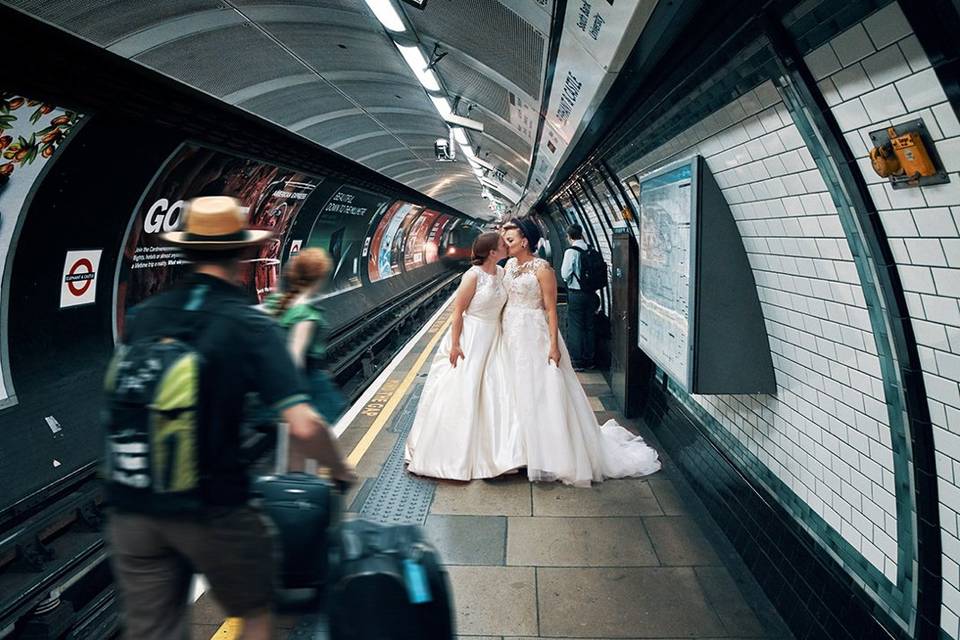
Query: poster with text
[30,134]
[420,249]
[383,257]
[340,229]
[273,195]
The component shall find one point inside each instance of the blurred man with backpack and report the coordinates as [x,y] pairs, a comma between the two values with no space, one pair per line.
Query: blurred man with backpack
[175,473]
[585,273]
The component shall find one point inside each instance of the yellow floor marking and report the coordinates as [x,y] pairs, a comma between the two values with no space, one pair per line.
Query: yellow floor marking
[391,405]
[229,630]
[231,627]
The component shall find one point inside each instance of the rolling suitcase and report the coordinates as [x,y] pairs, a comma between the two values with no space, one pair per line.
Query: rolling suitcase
[387,583]
[304,508]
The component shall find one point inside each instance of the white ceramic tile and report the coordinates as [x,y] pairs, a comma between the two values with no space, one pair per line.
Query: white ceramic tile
[886,66]
[887,25]
[941,310]
[925,251]
[822,62]
[852,82]
[949,151]
[951,250]
[935,222]
[947,119]
[852,45]
[851,115]
[921,90]
[905,198]
[914,53]
[943,195]
[883,103]
[947,281]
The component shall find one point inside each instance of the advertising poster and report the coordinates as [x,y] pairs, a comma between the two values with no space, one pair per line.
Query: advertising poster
[274,196]
[30,134]
[415,254]
[666,214]
[383,258]
[340,229]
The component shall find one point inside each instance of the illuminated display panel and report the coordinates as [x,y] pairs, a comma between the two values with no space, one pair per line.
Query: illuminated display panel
[667,217]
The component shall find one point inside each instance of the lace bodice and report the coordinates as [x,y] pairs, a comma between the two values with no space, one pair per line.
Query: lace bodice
[489,297]
[520,281]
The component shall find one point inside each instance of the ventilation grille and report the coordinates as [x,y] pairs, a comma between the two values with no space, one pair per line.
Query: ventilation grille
[222,61]
[508,137]
[428,124]
[475,87]
[105,21]
[386,159]
[293,104]
[490,33]
[318,44]
[335,131]
[342,5]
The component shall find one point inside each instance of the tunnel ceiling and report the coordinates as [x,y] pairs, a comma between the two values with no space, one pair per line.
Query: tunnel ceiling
[328,70]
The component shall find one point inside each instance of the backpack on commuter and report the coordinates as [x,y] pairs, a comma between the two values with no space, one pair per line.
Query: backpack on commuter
[155,390]
[593,269]
[387,583]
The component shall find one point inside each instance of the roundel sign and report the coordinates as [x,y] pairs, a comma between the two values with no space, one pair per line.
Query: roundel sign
[79,283]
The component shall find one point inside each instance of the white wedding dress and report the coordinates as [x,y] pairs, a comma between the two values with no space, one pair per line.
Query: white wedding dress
[461,431]
[547,405]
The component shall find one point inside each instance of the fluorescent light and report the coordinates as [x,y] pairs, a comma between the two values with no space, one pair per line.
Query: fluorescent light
[478,172]
[467,150]
[443,107]
[418,64]
[387,15]
[460,136]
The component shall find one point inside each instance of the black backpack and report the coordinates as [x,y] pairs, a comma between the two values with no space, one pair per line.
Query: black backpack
[593,269]
[152,462]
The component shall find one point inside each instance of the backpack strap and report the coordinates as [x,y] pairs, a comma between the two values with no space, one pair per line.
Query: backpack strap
[582,252]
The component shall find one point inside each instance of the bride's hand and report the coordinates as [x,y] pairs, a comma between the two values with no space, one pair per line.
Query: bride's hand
[554,356]
[456,353]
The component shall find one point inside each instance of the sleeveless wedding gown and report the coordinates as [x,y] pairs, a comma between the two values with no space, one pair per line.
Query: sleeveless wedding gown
[460,431]
[547,405]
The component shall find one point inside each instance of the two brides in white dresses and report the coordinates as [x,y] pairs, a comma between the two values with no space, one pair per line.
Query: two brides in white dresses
[502,394]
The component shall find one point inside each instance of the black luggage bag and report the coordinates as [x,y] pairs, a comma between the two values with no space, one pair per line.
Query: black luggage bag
[304,509]
[387,583]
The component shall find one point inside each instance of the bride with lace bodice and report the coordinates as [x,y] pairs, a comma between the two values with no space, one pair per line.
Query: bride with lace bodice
[545,402]
[459,431]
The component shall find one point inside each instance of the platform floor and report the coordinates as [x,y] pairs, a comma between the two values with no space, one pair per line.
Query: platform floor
[629,559]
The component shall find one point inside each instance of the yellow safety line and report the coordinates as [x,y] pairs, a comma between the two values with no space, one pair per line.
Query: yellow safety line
[229,630]
[231,627]
[391,405]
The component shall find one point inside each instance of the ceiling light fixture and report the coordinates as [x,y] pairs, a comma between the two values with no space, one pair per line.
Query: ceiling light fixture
[387,15]
[441,104]
[466,149]
[418,64]
[461,136]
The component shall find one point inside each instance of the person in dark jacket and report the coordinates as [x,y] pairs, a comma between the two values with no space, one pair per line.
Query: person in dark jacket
[155,552]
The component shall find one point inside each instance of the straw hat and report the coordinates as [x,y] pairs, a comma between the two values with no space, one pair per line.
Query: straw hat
[215,223]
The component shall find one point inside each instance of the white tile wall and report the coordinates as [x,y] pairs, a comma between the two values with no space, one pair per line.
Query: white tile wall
[825,433]
[921,224]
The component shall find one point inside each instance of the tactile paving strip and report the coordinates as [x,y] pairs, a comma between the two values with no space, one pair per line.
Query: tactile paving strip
[396,496]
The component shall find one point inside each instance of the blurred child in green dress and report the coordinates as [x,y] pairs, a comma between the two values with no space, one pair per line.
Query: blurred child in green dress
[307,330]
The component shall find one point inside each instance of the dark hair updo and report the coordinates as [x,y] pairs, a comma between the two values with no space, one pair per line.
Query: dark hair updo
[528,229]
[482,246]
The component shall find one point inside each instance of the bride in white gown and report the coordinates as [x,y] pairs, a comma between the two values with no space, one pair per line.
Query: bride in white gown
[460,431]
[546,404]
